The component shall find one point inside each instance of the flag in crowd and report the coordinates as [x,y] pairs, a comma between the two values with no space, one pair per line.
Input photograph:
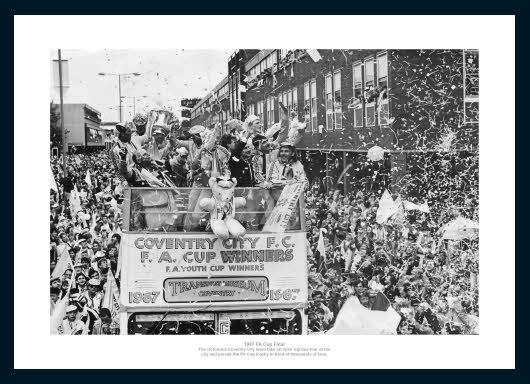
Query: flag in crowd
[88,181]
[355,319]
[53,184]
[111,300]
[321,247]
[64,262]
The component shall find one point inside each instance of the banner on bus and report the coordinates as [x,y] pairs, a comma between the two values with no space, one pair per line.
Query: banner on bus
[185,270]
[185,290]
[284,208]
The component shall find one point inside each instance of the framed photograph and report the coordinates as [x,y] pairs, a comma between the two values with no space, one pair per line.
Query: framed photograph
[319,203]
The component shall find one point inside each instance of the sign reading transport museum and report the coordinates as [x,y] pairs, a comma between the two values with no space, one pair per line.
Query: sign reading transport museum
[215,289]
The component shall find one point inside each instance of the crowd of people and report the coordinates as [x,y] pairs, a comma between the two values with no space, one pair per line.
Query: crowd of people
[89,238]
[430,281]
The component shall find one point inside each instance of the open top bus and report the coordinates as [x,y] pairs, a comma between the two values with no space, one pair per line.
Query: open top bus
[177,277]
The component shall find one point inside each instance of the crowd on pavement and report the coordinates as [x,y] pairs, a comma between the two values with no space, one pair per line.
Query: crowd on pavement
[429,279]
[90,237]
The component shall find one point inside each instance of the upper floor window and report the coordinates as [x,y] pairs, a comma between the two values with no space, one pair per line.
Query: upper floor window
[369,92]
[357,102]
[333,101]
[382,88]
[337,100]
[328,89]
[307,104]
[314,105]
[368,74]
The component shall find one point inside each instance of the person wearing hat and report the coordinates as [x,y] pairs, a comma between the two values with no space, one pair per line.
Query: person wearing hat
[287,169]
[139,137]
[78,267]
[72,325]
[123,155]
[194,143]
[93,297]
[161,145]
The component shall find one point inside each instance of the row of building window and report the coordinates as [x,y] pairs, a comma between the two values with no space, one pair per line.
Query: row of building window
[370,102]
[221,117]
[369,99]
[209,100]
[264,64]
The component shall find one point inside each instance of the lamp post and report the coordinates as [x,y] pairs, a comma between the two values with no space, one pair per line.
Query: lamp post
[119,76]
[63,132]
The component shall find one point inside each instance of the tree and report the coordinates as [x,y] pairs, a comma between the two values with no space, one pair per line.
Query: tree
[55,126]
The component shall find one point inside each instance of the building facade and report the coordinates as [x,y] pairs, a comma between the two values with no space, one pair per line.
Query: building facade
[213,108]
[83,126]
[414,104]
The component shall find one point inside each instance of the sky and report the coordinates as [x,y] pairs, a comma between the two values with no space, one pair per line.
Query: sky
[165,78]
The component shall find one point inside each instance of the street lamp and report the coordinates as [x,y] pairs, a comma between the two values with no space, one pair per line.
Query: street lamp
[119,75]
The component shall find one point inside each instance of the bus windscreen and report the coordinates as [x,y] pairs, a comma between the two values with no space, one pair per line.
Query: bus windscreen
[178,210]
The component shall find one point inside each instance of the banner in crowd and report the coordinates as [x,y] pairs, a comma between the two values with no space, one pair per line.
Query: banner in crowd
[355,319]
[161,270]
[321,246]
[64,262]
[53,184]
[386,208]
[111,299]
[285,206]
[75,201]
[87,178]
